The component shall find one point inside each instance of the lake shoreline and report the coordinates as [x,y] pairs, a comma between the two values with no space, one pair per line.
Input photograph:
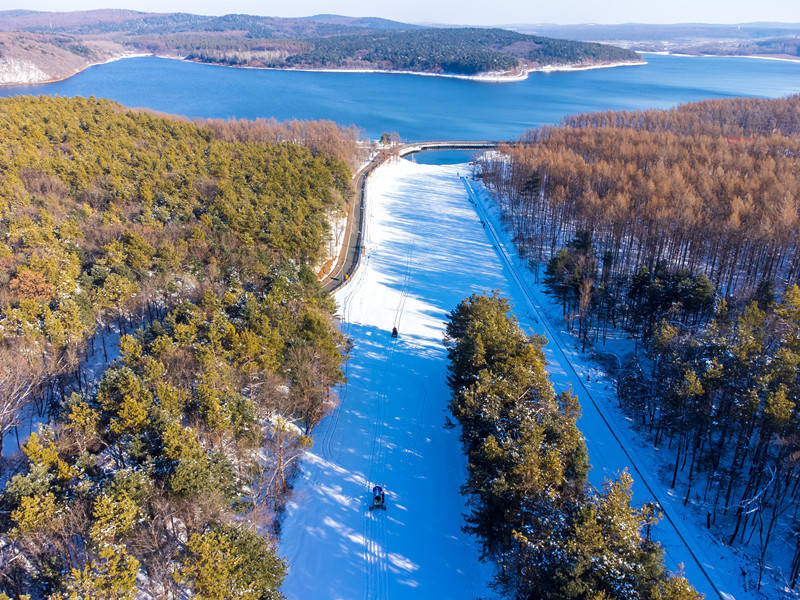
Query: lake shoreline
[490,77]
[420,108]
[780,58]
[481,77]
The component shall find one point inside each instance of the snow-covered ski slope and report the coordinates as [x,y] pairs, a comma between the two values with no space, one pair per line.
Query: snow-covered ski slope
[428,244]
[422,244]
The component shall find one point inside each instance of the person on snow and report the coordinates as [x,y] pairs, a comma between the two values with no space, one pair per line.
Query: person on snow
[378,498]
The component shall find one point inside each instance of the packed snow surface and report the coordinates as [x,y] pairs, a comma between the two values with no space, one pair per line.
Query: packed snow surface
[388,429]
[431,239]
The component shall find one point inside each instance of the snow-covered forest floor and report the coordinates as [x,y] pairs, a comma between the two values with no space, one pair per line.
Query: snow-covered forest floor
[425,250]
[732,572]
[36,412]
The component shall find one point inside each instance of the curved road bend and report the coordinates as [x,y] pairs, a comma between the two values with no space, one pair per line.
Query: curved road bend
[349,256]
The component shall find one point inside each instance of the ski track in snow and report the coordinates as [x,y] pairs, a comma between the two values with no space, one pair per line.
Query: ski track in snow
[388,428]
[427,246]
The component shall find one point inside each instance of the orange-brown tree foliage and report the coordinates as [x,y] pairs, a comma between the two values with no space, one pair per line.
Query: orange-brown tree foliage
[711,187]
[321,137]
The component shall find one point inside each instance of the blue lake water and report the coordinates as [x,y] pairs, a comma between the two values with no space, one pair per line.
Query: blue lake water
[444,157]
[422,107]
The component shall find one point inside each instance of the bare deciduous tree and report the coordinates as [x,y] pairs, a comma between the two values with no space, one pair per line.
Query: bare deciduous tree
[21,371]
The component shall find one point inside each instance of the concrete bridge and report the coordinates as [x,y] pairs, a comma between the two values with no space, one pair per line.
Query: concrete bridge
[413,147]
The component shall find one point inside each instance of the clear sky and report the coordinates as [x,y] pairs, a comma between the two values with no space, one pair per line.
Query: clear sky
[473,12]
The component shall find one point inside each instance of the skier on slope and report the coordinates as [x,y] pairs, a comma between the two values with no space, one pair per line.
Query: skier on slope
[378,498]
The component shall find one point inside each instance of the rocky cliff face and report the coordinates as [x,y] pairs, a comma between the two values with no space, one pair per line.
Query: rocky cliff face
[35,57]
[19,71]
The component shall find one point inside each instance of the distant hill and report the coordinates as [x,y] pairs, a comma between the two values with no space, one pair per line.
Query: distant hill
[366,22]
[27,57]
[770,39]
[130,22]
[319,41]
[11,20]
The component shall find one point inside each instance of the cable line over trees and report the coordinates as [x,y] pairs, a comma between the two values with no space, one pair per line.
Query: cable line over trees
[681,228]
[550,533]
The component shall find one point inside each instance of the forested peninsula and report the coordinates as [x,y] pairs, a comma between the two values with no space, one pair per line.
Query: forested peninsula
[32,50]
[160,316]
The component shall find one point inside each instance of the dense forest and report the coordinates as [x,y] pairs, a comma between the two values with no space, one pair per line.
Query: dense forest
[655,187]
[680,228]
[789,46]
[324,41]
[324,138]
[466,51]
[451,51]
[462,51]
[158,301]
[724,399]
[732,117]
[551,535]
